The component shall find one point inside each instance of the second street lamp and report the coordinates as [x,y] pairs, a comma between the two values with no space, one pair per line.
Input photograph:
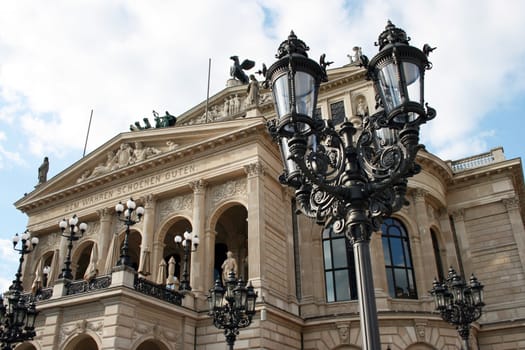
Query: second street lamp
[344,177]
[458,303]
[71,237]
[232,307]
[17,316]
[132,216]
[189,244]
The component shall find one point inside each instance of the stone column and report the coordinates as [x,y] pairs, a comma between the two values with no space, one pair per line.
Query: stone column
[198,263]
[148,232]
[427,260]
[513,210]
[208,249]
[256,242]
[104,237]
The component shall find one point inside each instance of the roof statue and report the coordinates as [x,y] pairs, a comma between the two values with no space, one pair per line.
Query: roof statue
[237,70]
[42,171]
[160,122]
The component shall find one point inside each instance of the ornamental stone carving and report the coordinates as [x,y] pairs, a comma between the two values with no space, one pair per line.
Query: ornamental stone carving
[511,203]
[459,214]
[198,186]
[344,332]
[254,169]
[180,203]
[79,327]
[126,154]
[227,190]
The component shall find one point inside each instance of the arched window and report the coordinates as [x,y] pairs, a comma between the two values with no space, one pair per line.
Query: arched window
[398,260]
[339,267]
[437,255]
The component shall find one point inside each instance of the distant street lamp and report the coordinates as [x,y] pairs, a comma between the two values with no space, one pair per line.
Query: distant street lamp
[458,303]
[189,244]
[132,216]
[232,308]
[18,312]
[71,236]
[345,176]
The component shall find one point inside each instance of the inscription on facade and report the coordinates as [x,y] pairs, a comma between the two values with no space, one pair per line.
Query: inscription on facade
[129,188]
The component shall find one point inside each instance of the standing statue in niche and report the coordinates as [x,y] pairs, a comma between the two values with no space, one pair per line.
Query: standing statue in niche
[228,265]
[253,91]
[362,108]
[42,171]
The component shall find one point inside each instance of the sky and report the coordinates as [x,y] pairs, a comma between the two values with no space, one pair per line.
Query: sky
[121,59]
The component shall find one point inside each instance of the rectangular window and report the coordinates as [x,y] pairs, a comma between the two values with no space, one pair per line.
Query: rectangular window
[337,112]
[339,266]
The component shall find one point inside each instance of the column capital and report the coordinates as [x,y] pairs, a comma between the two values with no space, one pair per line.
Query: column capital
[104,214]
[198,186]
[459,214]
[149,200]
[254,169]
[511,203]
[419,194]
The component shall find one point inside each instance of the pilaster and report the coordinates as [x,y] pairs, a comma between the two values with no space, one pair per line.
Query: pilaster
[256,223]
[516,222]
[426,262]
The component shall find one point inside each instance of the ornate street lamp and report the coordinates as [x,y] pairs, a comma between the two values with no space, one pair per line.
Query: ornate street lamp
[71,236]
[189,244]
[18,312]
[345,177]
[458,303]
[132,215]
[232,307]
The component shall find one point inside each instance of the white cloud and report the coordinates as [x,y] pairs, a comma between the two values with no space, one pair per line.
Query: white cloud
[122,59]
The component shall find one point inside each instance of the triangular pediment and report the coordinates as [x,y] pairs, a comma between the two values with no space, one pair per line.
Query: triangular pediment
[134,152]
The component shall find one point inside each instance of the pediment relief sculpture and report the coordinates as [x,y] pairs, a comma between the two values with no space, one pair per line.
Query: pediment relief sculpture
[127,154]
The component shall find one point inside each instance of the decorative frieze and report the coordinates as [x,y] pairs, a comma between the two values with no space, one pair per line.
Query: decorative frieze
[179,203]
[79,327]
[227,190]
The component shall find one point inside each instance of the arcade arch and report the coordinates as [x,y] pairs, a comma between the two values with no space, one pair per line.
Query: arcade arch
[232,235]
[172,250]
[82,342]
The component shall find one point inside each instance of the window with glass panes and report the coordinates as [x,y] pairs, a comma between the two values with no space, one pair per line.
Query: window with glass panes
[398,260]
[339,267]
[337,111]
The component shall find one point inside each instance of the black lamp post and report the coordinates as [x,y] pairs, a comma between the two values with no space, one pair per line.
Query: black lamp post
[71,236]
[18,312]
[346,177]
[132,215]
[458,303]
[187,242]
[232,307]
